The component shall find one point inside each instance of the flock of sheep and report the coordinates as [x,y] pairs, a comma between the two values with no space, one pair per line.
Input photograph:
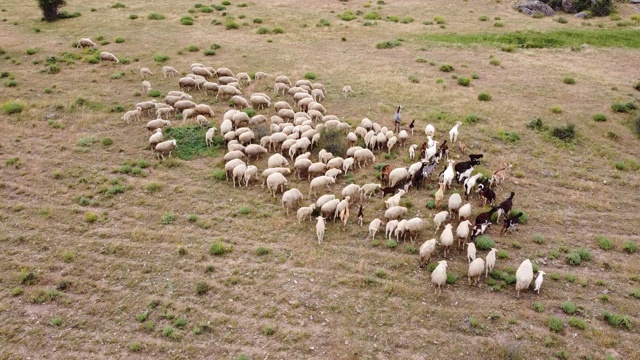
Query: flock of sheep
[294,133]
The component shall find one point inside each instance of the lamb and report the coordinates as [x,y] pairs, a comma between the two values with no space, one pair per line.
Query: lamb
[439,219]
[454,203]
[505,207]
[238,174]
[471,251]
[144,72]
[394,200]
[280,88]
[539,281]
[390,228]
[164,111]
[260,75]
[393,213]
[446,238]
[448,174]
[187,113]
[169,71]
[85,42]
[475,270]
[319,182]
[156,138]
[464,212]
[373,228]
[157,124]
[146,86]
[412,151]
[208,137]
[453,133]
[291,198]
[427,248]
[250,173]
[132,114]
[491,261]
[369,189]
[414,226]
[107,56]
[274,181]
[462,232]
[347,90]
[165,147]
[305,212]
[439,276]
[320,229]
[429,130]
[277,160]
[229,166]
[524,276]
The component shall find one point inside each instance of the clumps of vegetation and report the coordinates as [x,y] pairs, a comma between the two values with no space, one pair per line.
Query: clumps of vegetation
[118,5]
[388,44]
[483,96]
[218,249]
[321,23]
[191,144]
[508,137]
[332,140]
[472,119]
[440,20]
[446,68]
[556,109]
[347,15]
[464,81]
[186,20]
[193,48]
[569,80]
[168,218]
[577,256]
[155,16]
[623,108]
[12,107]
[565,133]
[600,117]
[630,247]
[495,62]
[232,25]
[555,324]
[90,217]
[604,243]
[577,323]
[538,307]
[133,16]
[483,18]
[561,20]
[637,85]
[617,320]
[414,79]
[484,242]
[160,58]
[310,76]
[262,30]
[568,308]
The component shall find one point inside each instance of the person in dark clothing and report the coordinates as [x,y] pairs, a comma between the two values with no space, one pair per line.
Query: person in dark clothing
[397,119]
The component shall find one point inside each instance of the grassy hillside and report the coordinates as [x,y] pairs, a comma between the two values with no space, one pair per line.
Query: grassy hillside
[111,253]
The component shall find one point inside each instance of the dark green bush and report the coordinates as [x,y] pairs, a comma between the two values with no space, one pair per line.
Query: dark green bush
[565,133]
[332,140]
[446,68]
[623,108]
[155,16]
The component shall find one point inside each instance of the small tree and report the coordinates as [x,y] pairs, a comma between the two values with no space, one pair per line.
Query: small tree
[50,8]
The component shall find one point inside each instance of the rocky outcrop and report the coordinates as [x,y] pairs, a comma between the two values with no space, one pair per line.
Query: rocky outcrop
[568,6]
[531,7]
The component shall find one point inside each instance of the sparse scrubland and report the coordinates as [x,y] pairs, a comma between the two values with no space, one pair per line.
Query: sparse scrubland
[109,252]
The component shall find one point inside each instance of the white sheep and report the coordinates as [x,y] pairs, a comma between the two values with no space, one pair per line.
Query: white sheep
[413,226]
[156,138]
[397,175]
[344,204]
[333,173]
[267,172]
[280,88]
[165,147]
[277,160]
[393,213]
[524,276]
[320,226]
[305,212]
[146,86]
[426,249]
[329,208]
[462,232]
[169,71]
[132,114]
[164,111]
[223,71]
[290,198]
[446,238]
[324,199]
[238,174]
[254,150]
[475,270]
[236,154]
[429,130]
[373,228]
[449,173]
[394,200]
[319,182]
[283,79]
[539,282]
[85,42]
[439,276]
[439,219]
[157,124]
[275,181]
[107,56]
[455,200]
[491,261]
[144,72]
[347,90]
[453,133]
[335,163]
[208,137]
[347,164]
[260,75]
[250,173]
[316,168]
[412,151]
[464,212]
[439,195]
[300,166]
[390,228]
[471,251]
[229,166]
[391,143]
[368,190]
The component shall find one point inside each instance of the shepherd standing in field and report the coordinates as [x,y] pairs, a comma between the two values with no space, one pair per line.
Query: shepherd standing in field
[396,119]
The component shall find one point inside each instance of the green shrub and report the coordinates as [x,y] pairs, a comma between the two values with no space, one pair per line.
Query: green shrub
[218,249]
[406,20]
[372,16]
[232,25]
[604,243]
[537,124]
[414,79]
[446,68]
[440,20]
[219,7]
[392,244]
[186,20]
[484,242]
[155,16]
[498,24]
[262,30]
[431,204]
[569,80]
[599,117]
[568,307]
[206,9]
[562,20]
[483,96]
[12,107]
[464,81]
[451,278]
[623,108]
[494,62]
[555,324]
[118,5]
[310,76]
[347,15]
[565,133]
[577,323]
[160,58]
[483,18]
[637,85]
[209,52]
[573,258]
[538,307]
[168,218]
[31,51]
[556,109]
[388,44]
[617,320]
[508,137]
[12,83]
[193,48]
[635,293]
[584,254]
[332,140]
[472,119]
[90,217]
[630,246]
[538,239]
[133,16]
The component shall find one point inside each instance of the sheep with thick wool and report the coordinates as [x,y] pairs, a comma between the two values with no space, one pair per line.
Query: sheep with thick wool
[373,227]
[165,148]
[390,228]
[475,271]
[455,200]
[250,173]
[267,172]
[229,166]
[439,276]
[491,261]
[465,211]
[462,232]
[413,227]
[238,174]
[393,213]
[524,276]
[277,160]
[394,200]
[319,182]
[320,227]
[291,198]
[397,175]
[400,229]
[471,251]
[426,250]
[276,181]
[439,219]
[446,238]
[324,199]
[305,212]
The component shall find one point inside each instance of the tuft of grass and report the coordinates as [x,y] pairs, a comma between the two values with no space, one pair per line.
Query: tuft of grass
[617,320]
[624,107]
[604,242]
[269,330]
[555,324]
[599,117]
[155,16]
[569,80]
[446,68]
[12,107]
[483,18]
[391,244]
[538,239]
[635,293]
[483,96]
[159,58]
[472,119]
[56,321]
[630,246]
[573,258]
[538,307]
[155,93]
[168,218]
[568,307]
[508,137]
[440,20]
[135,347]
[231,25]
[347,15]
[566,133]
[218,249]
[90,217]
[262,30]
[464,81]
[186,20]
[310,76]
[556,109]
[193,48]
[388,44]
[133,16]
[119,40]
[494,62]
[451,278]
[414,79]
[118,5]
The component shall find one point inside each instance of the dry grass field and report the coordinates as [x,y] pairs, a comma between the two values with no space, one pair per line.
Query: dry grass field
[107,252]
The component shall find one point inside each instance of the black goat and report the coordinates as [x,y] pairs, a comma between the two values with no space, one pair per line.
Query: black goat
[411,126]
[510,222]
[485,217]
[505,207]
[360,215]
[478,230]
[487,194]
[461,167]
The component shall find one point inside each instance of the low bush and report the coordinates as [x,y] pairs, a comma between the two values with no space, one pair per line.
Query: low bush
[569,80]
[464,81]
[565,133]
[118,5]
[12,107]
[186,20]
[604,242]
[347,15]
[155,16]
[160,58]
[555,324]
[599,117]
[483,96]
[617,320]
[388,44]
[446,68]
[484,242]
[630,246]
[623,108]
